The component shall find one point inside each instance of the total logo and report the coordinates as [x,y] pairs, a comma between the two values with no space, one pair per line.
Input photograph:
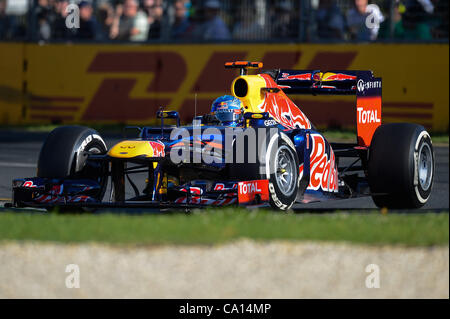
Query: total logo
[370,116]
[361,85]
[249,187]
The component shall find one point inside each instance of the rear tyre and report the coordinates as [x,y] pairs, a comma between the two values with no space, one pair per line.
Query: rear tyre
[401,166]
[64,155]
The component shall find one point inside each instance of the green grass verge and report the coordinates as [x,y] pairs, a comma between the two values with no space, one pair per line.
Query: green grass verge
[221,225]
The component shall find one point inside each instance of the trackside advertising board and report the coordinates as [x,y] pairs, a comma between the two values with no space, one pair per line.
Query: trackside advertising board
[109,83]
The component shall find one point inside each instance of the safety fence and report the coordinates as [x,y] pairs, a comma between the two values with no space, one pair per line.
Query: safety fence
[228,21]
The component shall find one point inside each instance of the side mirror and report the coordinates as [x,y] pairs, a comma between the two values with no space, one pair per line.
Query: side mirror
[168,115]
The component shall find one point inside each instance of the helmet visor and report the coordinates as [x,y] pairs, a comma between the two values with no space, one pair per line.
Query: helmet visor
[228,115]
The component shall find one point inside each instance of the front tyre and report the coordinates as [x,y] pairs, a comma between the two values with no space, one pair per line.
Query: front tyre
[401,166]
[65,152]
[276,160]
[282,171]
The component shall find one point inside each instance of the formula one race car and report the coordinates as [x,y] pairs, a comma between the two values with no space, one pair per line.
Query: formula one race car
[264,152]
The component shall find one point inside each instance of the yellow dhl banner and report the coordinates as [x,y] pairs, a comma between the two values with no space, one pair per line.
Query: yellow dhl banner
[67,83]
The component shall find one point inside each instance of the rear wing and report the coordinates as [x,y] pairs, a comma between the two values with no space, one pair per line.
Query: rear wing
[318,82]
[362,84]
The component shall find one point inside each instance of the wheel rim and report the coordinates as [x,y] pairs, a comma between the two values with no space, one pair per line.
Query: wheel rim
[285,170]
[425,166]
[101,178]
[94,150]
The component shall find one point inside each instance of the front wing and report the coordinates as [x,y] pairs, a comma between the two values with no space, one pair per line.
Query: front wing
[51,193]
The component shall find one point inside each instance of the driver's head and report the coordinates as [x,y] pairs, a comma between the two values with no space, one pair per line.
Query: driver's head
[228,110]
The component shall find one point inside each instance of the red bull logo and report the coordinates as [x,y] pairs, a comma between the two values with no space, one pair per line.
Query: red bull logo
[337,77]
[281,108]
[158,149]
[319,76]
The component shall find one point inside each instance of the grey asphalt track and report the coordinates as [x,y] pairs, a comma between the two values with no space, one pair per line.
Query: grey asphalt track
[19,151]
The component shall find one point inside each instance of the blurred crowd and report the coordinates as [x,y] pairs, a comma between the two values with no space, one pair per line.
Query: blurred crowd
[395,19]
[228,20]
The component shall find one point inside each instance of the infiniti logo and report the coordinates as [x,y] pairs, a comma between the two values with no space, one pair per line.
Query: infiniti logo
[361,85]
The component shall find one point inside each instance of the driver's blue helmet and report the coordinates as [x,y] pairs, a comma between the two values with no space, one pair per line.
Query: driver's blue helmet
[228,109]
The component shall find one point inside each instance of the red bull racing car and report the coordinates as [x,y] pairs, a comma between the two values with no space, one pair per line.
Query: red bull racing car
[271,155]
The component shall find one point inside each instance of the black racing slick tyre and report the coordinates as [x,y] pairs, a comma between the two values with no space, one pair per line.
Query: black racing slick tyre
[64,155]
[282,171]
[276,161]
[401,166]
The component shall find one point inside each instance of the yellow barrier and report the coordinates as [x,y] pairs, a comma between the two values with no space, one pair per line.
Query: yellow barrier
[12,92]
[66,83]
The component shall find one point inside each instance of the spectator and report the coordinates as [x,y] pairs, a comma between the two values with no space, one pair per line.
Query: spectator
[129,23]
[5,22]
[330,21]
[440,30]
[213,27]
[285,25]
[105,17]
[43,13]
[59,29]
[147,6]
[88,24]
[363,21]
[181,26]
[398,30]
[155,16]
[246,27]
[417,19]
